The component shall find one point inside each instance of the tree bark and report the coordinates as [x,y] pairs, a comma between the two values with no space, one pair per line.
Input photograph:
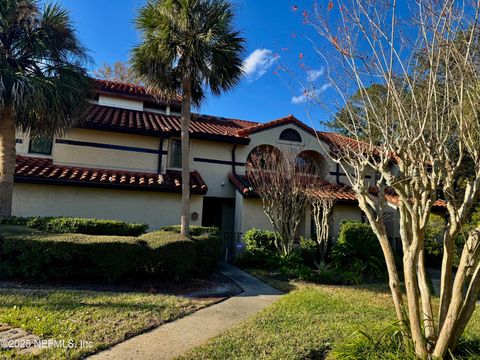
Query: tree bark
[460,308]
[427,310]
[410,263]
[185,140]
[393,277]
[7,160]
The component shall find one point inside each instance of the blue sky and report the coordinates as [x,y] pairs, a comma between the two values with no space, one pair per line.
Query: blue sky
[275,35]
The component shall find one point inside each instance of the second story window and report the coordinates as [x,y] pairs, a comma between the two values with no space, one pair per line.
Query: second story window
[175,153]
[41,145]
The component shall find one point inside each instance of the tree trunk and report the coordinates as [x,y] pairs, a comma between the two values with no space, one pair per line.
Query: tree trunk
[7,160]
[462,305]
[446,276]
[427,310]
[185,139]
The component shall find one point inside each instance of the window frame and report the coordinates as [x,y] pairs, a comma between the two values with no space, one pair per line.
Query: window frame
[31,142]
[171,165]
[289,132]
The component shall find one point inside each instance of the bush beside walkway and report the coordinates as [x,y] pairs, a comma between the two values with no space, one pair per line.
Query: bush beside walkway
[28,254]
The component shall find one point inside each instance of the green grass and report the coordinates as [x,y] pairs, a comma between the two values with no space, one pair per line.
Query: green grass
[308,322]
[103,318]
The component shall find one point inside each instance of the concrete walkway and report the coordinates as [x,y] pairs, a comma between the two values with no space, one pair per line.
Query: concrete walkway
[435,276]
[175,338]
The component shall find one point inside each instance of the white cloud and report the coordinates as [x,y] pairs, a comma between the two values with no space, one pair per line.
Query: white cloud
[324,87]
[258,63]
[310,94]
[313,75]
[300,99]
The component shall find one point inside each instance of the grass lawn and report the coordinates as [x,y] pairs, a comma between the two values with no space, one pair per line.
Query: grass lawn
[103,318]
[307,322]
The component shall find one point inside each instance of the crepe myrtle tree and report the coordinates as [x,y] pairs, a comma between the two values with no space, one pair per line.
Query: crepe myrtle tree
[43,84]
[190,47]
[283,182]
[426,57]
[322,206]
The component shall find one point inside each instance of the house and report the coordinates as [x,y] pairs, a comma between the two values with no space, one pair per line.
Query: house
[123,162]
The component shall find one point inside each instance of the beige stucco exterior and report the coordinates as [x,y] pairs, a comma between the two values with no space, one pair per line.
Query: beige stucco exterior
[141,153]
[153,208]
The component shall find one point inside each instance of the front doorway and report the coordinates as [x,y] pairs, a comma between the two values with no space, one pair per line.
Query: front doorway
[219,212]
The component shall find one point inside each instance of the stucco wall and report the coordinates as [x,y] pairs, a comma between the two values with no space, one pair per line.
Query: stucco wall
[213,161]
[343,212]
[155,209]
[123,103]
[253,216]
[108,158]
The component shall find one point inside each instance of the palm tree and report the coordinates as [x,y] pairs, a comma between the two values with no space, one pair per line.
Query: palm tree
[43,86]
[189,47]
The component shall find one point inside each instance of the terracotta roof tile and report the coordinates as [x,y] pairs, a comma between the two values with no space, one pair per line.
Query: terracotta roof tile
[290,119]
[32,169]
[323,189]
[117,119]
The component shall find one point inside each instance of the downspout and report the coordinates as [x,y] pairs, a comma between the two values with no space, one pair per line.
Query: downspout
[233,158]
[160,156]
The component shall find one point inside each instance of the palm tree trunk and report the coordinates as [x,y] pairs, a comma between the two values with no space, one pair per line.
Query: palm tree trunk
[7,160]
[185,139]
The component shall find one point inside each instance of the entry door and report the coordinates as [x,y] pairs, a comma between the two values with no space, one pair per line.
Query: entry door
[218,212]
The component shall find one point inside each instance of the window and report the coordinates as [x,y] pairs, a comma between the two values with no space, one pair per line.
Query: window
[290,135]
[175,153]
[41,145]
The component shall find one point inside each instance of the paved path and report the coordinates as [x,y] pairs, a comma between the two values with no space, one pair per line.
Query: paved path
[175,338]
[435,276]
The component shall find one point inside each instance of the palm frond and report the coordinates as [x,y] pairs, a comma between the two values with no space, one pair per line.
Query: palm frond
[42,73]
[189,38]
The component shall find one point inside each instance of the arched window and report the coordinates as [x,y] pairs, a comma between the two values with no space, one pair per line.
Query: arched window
[290,135]
[312,162]
[260,155]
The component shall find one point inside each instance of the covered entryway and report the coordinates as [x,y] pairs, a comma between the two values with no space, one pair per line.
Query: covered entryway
[220,213]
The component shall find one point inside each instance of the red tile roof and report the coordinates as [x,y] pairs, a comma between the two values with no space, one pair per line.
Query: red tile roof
[336,141]
[290,119]
[324,189]
[203,125]
[337,192]
[41,170]
[132,90]
[117,119]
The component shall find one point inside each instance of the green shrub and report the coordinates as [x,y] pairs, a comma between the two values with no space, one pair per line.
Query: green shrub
[208,248]
[76,257]
[195,230]
[358,246]
[433,240]
[259,247]
[64,225]
[309,251]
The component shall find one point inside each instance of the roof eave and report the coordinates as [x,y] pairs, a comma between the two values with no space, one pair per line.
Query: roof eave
[43,181]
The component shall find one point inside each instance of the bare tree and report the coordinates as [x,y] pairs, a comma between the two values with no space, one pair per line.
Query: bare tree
[322,207]
[426,57]
[119,71]
[281,181]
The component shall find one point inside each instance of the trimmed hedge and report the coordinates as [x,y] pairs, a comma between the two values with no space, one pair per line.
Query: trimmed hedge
[65,225]
[27,254]
[195,230]
[208,253]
